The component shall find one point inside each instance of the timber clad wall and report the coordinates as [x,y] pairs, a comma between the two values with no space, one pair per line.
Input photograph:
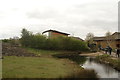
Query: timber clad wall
[54,33]
[113,42]
[104,44]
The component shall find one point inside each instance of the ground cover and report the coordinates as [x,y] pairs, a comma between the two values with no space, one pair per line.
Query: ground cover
[42,65]
[35,67]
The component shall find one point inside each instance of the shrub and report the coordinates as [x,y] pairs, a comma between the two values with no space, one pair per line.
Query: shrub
[39,41]
[5,40]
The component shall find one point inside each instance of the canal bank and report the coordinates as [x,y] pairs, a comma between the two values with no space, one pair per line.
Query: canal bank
[91,62]
[102,70]
[105,59]
[111,61]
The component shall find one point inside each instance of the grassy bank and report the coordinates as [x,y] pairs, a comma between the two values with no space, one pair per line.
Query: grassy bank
[44,66]
[32,67]
[114,62]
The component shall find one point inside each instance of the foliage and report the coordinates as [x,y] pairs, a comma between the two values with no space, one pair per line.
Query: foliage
[39,41]
[103,56]
[109,38]
[89,37]
[12,41]
[107,33]
[26,37]
[71,56]
[5,40]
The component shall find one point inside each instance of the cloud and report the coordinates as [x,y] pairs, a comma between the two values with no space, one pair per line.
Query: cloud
[77,17]
[45,14]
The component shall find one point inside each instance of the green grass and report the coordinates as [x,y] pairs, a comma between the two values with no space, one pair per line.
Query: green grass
[40,51]
[37,67]
[44,66]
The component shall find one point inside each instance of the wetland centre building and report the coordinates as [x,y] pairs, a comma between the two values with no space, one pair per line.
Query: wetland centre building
[112,40]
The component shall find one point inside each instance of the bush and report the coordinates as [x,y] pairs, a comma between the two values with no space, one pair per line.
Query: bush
[5,40]
[39,41]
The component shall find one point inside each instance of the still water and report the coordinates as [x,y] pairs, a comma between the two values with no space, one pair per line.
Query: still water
[102,70]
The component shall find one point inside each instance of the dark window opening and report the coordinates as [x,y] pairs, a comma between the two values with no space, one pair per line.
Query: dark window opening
[118,45]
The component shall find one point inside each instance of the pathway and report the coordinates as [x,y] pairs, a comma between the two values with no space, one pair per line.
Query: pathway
[113,54]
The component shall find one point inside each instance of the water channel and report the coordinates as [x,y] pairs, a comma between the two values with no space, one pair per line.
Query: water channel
[102,70]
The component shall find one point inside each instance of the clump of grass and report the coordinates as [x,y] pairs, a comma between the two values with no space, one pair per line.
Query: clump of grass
[105,56]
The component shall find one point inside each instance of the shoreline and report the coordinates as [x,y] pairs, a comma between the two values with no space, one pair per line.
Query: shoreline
[105,59]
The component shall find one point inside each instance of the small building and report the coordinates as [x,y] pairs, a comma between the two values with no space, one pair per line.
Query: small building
[54,33]
[112,40]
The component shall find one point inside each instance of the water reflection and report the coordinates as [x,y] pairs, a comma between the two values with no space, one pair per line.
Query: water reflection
[103,70]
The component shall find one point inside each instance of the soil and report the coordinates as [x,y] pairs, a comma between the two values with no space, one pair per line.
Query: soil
[13,50]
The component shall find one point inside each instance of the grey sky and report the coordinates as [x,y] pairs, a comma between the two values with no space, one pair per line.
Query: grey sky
[76,17]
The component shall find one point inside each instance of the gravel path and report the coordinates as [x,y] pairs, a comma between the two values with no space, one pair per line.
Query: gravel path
[113,54]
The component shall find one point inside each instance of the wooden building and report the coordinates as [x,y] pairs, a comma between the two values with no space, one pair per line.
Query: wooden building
[54,33]
[112,40]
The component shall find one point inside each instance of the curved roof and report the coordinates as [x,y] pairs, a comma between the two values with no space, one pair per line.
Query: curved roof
[55,31]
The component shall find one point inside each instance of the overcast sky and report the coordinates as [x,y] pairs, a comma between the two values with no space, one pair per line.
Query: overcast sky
[76,17]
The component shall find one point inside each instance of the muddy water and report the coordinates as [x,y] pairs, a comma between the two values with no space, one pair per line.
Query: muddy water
[102,70]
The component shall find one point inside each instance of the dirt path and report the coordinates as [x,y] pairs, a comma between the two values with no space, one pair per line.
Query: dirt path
[113,55]
[92,54]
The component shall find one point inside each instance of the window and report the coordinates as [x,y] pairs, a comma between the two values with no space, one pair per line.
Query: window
[118,45]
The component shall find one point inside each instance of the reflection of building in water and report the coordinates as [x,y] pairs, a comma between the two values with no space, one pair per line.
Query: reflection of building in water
[107,70]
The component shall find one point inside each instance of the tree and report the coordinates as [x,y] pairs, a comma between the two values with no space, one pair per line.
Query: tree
[89,37]
[25,37]
[90,43]
[25,33]
[107,33]
[108,37]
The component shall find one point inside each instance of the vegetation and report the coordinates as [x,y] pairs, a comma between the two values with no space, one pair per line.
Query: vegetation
[89,38]
[5,40]
[32,67]
[74,57]
[39,41]
[43,67]
[114,62]
[43,64]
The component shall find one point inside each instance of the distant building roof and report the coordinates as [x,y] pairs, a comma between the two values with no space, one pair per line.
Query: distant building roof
[55,31]
[98,38]
[114,36]
[78,38]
